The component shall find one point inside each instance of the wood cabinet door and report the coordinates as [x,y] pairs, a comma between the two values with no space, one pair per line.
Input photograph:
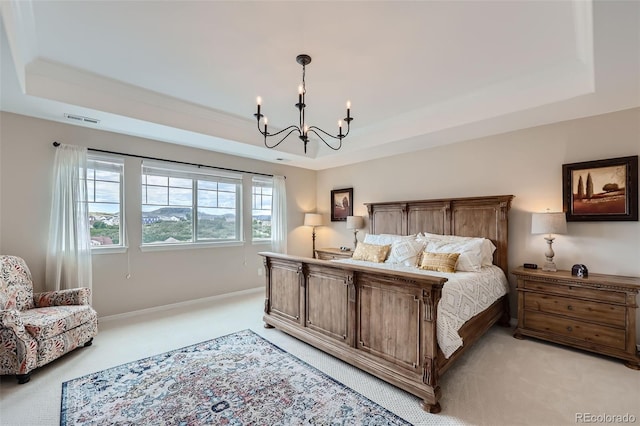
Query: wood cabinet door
[284,291]
[389,322]
[328,302]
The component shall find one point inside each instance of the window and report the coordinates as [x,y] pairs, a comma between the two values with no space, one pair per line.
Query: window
[262,196]
[104,196]
[182,204]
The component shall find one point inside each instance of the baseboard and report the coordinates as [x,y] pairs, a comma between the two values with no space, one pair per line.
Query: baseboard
[179,304]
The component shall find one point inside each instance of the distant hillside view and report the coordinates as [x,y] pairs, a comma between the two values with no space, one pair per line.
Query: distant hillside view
[174,225]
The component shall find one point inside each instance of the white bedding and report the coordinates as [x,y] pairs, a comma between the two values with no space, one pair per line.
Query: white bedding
[464,295]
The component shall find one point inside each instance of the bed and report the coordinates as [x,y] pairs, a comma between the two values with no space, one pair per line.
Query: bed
[385,320]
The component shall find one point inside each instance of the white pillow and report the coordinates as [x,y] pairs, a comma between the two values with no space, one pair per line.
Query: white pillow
[470,259]
[386,239]
[487,246]
[405,252]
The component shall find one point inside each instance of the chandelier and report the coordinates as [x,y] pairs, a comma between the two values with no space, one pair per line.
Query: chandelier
[302,128]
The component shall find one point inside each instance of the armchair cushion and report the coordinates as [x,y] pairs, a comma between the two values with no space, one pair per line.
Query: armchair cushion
[43,323]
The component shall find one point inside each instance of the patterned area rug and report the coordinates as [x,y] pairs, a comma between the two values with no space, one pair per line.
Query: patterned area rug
[239,379]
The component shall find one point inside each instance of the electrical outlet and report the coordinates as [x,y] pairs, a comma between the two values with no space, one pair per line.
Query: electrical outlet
[259,272]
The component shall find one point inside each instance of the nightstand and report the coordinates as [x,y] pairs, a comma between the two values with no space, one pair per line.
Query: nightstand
[333,253]
[597,313]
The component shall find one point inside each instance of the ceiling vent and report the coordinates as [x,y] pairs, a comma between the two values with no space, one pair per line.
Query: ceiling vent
[82,119]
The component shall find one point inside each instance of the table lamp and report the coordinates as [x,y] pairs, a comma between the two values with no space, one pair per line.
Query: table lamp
[313,219]
[549,223]
[355,223]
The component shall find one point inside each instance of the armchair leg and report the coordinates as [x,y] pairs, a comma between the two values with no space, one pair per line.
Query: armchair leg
[23,378]
[89,343]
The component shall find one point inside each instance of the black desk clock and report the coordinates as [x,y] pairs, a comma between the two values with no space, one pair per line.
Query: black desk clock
[579,270]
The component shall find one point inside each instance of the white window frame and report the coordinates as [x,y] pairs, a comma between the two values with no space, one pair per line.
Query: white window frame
[117,162]
[171,170]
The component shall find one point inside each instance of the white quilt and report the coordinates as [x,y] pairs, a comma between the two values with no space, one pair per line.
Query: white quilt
[464,295]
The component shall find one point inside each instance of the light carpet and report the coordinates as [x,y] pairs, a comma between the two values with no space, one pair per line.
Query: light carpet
[235,379]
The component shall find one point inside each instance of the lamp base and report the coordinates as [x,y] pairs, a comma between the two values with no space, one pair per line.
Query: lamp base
[549,265]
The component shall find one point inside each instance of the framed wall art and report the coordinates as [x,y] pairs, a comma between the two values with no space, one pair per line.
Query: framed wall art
[341,204]
[601,190]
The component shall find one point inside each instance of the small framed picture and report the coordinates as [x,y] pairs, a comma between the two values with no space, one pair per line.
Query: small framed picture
[341,204]
[601,190]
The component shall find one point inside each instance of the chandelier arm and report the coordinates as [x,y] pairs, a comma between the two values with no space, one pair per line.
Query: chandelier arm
[295,128]
[314,128]
[267,134]
[328,134]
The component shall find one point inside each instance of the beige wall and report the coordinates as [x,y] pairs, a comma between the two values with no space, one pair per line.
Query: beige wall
[527,164]
[158,277]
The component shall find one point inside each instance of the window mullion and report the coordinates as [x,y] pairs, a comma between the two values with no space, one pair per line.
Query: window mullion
[194,209]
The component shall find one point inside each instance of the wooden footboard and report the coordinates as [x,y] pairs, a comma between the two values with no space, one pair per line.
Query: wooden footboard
[379,321]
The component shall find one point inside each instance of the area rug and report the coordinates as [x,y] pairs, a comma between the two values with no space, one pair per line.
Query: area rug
[239,379]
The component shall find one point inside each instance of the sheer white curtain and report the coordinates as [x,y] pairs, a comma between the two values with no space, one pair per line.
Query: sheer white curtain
[69,247]
[279,216]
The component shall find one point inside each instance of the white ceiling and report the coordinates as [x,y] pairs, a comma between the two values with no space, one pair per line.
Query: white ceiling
[418,74]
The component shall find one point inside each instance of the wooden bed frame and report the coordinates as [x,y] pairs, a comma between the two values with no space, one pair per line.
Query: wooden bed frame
[384,322]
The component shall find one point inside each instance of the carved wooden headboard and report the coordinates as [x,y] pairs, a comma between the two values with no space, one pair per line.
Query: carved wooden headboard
[468,217]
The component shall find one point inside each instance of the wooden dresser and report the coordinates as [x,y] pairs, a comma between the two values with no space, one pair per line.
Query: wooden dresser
[332,253]
[597,313]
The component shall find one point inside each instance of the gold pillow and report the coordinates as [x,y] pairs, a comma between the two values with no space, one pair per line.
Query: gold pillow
[440,262]
[371,252]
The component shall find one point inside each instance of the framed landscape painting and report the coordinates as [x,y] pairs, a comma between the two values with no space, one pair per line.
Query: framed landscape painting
[341,204]
[601,190]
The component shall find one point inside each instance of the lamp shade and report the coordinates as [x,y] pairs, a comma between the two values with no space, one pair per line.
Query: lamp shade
[355,222]
[312,219]
[549,223]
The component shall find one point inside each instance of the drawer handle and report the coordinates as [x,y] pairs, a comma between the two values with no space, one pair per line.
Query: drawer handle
[569,329]
[570,308]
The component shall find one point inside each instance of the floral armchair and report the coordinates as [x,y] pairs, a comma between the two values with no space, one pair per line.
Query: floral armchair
[37,328]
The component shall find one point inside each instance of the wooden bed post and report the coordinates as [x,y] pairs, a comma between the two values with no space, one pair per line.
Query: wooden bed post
[430,375]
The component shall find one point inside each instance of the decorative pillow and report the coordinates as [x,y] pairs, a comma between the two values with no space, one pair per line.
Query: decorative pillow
[440,262]
[371,252]
[405,252]
[470,259]
[486,251]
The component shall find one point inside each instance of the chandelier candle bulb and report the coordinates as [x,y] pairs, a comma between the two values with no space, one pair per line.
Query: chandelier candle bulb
[259,101]
[265,124]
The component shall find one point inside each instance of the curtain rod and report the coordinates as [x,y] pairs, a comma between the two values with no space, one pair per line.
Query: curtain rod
[57,144]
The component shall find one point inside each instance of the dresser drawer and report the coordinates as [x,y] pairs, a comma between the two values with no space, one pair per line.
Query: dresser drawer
[604,313]
[571,291]
[327,256]
[598,334]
